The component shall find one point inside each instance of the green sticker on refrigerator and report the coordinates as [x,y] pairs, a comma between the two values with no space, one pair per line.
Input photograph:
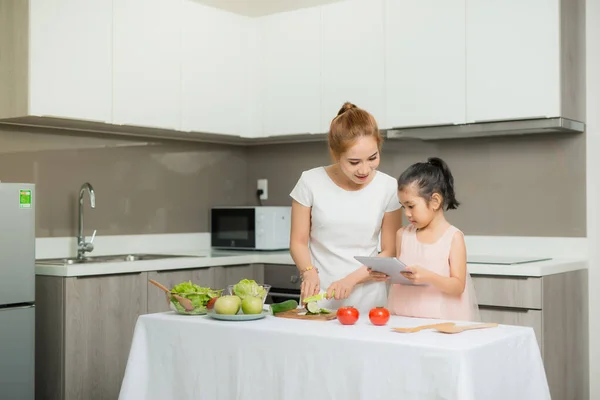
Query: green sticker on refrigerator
[25,199]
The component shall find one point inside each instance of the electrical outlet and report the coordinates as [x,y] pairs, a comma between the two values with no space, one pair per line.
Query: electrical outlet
[262,185]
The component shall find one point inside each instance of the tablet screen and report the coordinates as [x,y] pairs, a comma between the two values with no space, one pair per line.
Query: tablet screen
[390,266]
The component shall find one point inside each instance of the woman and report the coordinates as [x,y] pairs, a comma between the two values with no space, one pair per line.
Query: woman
[339,212]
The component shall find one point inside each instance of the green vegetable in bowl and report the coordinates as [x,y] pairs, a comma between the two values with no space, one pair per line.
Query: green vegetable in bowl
[199,296]
[249,287]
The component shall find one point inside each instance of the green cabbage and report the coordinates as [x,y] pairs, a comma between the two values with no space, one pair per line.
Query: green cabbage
[248,287]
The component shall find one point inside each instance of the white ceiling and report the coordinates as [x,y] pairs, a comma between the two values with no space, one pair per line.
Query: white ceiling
[256,8]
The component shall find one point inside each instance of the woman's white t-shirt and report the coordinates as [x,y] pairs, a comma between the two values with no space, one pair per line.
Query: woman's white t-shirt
[345,224]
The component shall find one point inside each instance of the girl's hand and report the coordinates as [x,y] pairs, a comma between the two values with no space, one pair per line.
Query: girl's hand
[341,289]
[377,276]
[311,284]
[417,274]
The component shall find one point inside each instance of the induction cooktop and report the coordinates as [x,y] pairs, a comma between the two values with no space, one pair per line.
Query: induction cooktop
[503,260]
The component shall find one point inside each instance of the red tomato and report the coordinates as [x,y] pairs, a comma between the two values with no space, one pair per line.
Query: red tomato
[347,315]
[379,316]
[211,303]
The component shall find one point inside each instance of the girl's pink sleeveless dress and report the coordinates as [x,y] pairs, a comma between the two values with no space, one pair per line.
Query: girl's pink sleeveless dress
[427,301]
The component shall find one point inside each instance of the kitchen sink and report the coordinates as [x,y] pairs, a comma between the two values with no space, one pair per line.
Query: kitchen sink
[104,259]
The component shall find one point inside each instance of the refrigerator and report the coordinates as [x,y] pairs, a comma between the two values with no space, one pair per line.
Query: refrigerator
[17,291]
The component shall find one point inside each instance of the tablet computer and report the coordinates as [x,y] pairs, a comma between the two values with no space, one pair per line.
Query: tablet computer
[390,266]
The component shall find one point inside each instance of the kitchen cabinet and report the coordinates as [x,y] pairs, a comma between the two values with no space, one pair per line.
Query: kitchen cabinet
[525,59]
[182,69]
[156,297]
[517,316]
[57,59]
[84,331]
[291,72]
[555,306]
[425,55]
[352,60]
[217,54]
[147,63]
[100,317]
[84,325]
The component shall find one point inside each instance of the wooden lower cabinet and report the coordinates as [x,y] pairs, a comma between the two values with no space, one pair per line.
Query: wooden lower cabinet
[556,307]
[100,316]
[84,332]
[519,317]
[85,325]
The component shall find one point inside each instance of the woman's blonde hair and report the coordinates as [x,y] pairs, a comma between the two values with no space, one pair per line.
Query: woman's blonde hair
[350,124]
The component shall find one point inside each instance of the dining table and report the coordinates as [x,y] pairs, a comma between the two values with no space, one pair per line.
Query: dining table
[184,357]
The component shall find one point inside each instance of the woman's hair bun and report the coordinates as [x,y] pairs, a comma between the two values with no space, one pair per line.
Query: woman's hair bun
[350,124]
[347,106]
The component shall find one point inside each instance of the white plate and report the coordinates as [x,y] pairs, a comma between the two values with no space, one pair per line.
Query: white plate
[237,317]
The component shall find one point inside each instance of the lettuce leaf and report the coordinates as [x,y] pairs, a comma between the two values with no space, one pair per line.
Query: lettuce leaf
[200,296]
[248,287]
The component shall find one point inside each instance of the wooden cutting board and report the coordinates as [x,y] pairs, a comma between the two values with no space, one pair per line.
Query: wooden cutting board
[295,314]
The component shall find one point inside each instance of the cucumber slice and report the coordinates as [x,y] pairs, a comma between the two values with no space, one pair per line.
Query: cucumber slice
[313,308]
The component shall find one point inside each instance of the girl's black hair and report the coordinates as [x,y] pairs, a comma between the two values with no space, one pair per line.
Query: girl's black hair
[431,177]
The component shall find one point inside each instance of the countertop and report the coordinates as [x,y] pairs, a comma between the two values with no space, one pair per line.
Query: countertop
[212,258]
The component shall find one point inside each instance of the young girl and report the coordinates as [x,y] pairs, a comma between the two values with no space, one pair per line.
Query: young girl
[433,250]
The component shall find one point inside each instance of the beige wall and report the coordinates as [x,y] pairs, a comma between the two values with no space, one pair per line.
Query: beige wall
[140,187]
[531,186]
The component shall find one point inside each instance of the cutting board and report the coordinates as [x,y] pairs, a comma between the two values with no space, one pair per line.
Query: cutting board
[295,314]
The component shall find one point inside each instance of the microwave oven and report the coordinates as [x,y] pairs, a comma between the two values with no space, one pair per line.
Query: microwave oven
[250,227]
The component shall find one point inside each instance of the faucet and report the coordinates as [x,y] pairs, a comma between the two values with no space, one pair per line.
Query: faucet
[83,246]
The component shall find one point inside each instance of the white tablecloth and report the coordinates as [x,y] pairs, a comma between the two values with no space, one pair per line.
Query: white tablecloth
[196,357]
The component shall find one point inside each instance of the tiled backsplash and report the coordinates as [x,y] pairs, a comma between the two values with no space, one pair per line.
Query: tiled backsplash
[530,186]
[140,187]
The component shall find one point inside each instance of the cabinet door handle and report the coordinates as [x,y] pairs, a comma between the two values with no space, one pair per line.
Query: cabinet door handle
[166,271]
[501,308]
[104,275]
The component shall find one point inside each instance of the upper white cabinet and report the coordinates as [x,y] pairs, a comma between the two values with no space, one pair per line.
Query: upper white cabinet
[56,59]
[513,59]
[352,58]
[215,71]
[424,62]
[180,65]
[71,59]
[147,63]
[290,72]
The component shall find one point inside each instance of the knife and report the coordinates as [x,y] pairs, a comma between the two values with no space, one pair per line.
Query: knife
[317,297]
